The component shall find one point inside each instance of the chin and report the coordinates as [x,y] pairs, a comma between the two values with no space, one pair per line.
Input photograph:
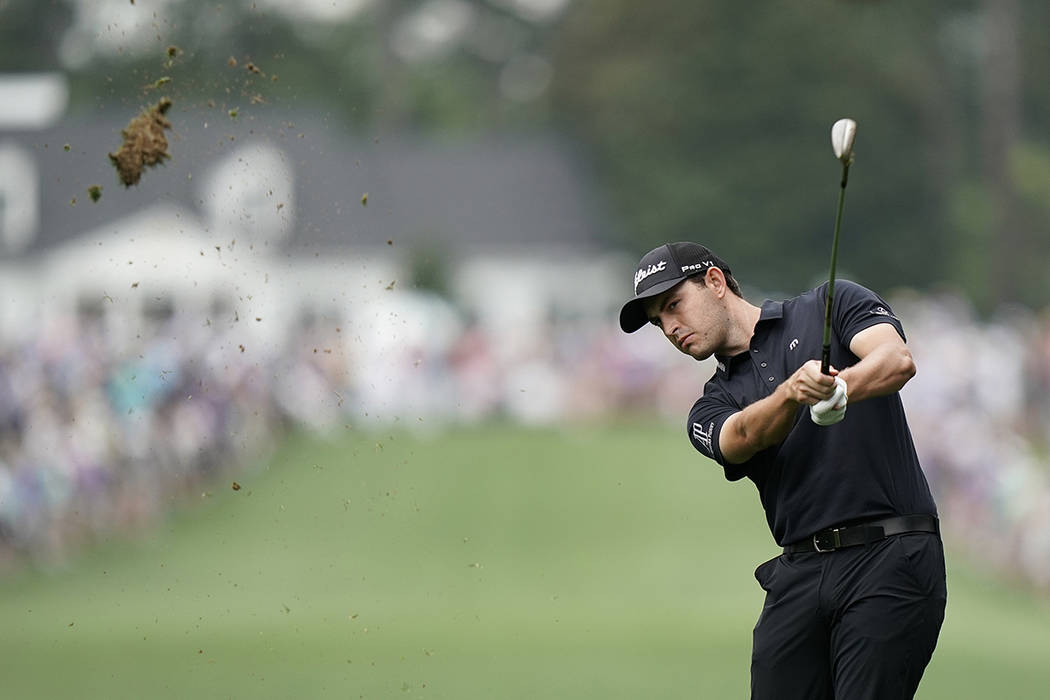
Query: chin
[697,353]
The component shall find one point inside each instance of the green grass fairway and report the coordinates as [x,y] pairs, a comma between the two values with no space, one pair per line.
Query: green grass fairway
[491,563]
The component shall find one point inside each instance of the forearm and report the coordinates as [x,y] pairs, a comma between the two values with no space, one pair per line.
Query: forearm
[762,424]
[883,371]
[767,422]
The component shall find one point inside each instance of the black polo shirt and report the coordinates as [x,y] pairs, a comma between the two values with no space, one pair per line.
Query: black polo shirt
[863,467]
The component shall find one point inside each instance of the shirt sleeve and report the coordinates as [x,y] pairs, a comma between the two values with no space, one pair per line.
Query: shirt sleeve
[706,419]
[857,308]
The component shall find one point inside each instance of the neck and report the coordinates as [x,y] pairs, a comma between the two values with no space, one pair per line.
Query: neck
[743,317]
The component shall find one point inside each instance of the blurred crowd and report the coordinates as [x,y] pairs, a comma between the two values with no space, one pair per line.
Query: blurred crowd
[102,433]
[979,410]
[96,438]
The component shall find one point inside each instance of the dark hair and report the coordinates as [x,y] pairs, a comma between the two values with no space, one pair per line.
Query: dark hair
[731,282]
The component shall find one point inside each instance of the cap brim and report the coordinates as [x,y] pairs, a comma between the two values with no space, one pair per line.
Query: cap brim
[632,315]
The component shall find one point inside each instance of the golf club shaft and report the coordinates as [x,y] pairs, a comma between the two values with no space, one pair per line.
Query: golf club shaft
[825,355]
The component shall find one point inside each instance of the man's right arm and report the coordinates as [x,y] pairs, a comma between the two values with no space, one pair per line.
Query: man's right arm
[768,421]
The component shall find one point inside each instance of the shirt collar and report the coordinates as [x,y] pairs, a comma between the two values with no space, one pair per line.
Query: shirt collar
[726,365]
[771,310]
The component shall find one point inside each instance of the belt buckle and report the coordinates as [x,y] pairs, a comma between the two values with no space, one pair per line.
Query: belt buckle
[830,544]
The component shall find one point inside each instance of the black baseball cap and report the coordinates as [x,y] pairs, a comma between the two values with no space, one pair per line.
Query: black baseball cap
[659,270]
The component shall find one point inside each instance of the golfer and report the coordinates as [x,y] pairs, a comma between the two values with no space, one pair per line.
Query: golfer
[854,604]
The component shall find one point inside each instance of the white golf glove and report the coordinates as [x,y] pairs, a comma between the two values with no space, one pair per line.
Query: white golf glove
[831,410]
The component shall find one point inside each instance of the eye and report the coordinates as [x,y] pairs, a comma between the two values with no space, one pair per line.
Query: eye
[673,304]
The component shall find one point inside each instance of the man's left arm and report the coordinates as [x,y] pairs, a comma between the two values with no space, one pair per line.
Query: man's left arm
[885,364]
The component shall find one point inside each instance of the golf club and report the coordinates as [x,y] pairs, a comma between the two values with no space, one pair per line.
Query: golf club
[842,134]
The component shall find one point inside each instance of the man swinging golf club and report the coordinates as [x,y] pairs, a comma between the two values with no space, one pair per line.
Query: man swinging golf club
[855,603]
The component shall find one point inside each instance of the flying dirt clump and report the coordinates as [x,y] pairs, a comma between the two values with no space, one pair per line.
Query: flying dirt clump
[144,143]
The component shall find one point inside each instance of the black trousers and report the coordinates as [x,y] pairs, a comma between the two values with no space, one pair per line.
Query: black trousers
[858,623]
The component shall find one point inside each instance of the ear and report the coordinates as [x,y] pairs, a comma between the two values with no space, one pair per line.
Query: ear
[715,280]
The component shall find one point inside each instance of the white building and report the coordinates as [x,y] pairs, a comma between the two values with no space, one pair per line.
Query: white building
[261,219]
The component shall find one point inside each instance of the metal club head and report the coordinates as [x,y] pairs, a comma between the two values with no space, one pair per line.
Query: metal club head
[842,134]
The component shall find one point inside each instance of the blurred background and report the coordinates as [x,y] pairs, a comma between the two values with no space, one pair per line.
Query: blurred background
[333,402]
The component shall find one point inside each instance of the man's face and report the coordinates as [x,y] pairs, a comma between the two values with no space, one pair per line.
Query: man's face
[690,316]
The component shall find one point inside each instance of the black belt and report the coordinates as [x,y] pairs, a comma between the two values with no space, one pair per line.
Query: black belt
[864,533]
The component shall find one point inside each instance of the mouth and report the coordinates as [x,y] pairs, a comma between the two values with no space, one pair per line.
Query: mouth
[685,340]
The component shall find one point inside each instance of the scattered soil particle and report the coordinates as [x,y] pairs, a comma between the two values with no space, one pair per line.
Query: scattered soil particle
[144,143]
[95,192]
[157,84]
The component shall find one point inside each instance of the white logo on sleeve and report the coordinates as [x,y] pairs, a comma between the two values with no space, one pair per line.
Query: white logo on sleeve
[882,311]
[793,344]
[704,438]
[646,271]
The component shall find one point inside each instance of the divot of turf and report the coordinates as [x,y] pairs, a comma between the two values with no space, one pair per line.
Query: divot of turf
[144,143]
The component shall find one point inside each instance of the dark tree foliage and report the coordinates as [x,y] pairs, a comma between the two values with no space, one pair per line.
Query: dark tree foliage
[710,121]
[27,33]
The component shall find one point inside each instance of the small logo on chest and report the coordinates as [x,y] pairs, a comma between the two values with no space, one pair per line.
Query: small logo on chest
[793,344]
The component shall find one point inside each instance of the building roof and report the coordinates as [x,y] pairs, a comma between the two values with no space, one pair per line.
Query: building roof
[487,194]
